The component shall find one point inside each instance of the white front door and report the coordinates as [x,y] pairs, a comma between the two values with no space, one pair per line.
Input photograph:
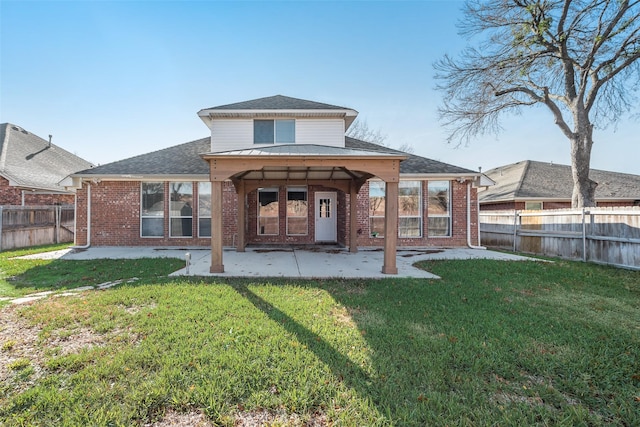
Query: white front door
[326,223]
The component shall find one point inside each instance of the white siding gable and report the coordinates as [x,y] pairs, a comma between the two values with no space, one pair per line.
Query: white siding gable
[237,134]
[320,131]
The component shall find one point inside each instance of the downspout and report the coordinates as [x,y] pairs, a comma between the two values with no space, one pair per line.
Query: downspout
[469,244]
[75,216]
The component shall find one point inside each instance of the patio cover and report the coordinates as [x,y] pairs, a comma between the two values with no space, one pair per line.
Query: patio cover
[302,164]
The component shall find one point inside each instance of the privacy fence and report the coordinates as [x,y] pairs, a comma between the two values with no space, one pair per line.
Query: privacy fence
[600,235]
[24,226]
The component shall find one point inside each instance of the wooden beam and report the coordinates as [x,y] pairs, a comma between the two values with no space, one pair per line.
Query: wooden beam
[390,227]
[241,243]
[353,217]
[216,228]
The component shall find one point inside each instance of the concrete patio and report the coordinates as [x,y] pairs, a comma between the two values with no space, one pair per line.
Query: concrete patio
[290,261]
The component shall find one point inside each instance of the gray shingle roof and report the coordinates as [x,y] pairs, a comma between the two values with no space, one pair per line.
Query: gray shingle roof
[540,180]
[278,102]
[28,161]
[414,164]
[183,159]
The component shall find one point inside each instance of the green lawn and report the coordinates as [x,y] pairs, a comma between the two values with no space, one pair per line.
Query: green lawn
[492,343]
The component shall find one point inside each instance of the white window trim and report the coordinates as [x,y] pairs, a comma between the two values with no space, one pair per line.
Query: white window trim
[449,215]
[275,133]
[180,216]
[305,189]
[273,190]
[419,217]
[200,216]
[142,216]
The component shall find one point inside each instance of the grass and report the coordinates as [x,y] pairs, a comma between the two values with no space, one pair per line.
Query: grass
[19,277]
[492,343]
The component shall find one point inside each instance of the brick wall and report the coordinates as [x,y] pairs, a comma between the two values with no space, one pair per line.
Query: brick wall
[13,196]
[115,213]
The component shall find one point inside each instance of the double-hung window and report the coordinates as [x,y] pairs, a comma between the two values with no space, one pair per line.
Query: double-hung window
[274,131]
[152,212]
[409,209]
[204,209]
[439,209]
[297,211]
[268,211]
[376,208]
[181,209]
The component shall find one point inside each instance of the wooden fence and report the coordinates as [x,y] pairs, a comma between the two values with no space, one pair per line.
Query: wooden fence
[600,235]
[24,226]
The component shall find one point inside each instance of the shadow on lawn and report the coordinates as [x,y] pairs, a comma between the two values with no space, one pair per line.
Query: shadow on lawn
[397,389]
[341,366]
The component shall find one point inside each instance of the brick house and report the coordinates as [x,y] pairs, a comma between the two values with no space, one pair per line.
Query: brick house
[531,185]
[31,169]
[298,178]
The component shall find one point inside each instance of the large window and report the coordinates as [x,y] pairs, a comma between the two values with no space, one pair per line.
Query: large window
[409,209]
[268,211]
[270,131]
[181,209]
[204,209]
[152,212]
[376,208]
[297,211]
[439,209]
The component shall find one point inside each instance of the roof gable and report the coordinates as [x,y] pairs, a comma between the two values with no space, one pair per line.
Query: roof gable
[29,161]
[277,106]
[278,102]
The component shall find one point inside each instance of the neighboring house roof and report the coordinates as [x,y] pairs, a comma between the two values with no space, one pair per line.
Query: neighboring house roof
[30,162]
[531,180]
[184,159]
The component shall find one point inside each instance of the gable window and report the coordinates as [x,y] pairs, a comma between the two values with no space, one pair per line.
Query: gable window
[274,131]
[268,211]
[204,209]
[409,211]
[181,209]
[439,209]
[152,212]
[297,211]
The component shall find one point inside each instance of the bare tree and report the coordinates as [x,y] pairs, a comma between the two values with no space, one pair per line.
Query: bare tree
[359,129]
[578,58]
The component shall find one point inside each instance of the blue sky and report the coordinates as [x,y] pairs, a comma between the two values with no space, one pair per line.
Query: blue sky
[114,79]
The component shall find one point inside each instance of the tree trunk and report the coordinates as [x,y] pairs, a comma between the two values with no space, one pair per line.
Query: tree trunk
[584,188]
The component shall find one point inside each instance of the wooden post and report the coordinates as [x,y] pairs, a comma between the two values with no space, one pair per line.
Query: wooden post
[390,227]
[240,244]
[216,228]
[353,217]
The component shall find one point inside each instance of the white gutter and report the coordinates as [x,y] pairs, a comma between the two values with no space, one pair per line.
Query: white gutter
[469,219]
[75,218]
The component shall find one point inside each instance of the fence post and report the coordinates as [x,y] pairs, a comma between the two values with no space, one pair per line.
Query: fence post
[515,229]
[57,213]
[584,237]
